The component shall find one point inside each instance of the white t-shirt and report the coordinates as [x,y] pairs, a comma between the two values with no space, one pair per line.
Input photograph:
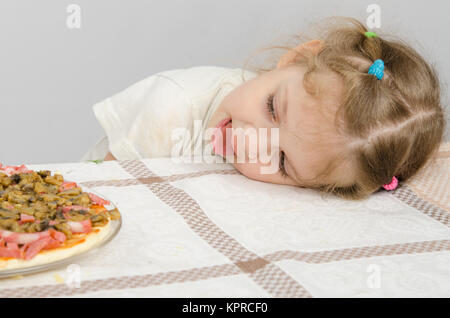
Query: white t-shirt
[138,121]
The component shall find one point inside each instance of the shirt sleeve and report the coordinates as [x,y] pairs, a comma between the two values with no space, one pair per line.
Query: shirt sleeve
[138,121]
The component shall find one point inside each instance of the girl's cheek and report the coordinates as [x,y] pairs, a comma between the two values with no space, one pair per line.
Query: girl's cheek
[252,171]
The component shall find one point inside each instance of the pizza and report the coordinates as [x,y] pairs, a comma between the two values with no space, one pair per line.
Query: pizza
[44,218]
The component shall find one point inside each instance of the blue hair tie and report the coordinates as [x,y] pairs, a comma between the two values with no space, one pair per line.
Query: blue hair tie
[377,69]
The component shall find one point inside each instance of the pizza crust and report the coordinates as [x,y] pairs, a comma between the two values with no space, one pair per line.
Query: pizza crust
[49,256]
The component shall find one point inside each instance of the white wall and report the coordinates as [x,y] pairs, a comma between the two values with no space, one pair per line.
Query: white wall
[50,76]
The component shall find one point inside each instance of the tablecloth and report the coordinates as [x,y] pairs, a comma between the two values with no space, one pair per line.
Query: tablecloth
[204,230]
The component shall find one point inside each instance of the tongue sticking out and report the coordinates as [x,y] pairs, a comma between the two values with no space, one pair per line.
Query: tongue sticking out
[220,136]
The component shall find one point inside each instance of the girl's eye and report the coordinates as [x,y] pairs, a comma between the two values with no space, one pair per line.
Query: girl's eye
[269,107]
[282,167]
[271,112]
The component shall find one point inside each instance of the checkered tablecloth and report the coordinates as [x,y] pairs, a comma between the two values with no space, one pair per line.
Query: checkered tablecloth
[204,230]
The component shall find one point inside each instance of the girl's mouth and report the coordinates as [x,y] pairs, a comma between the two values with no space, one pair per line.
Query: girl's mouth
[220,135]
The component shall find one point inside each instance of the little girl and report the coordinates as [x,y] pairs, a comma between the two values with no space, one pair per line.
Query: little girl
[355,112]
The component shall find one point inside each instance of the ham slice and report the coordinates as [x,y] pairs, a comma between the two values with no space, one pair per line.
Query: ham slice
[80,227]
[22,238]
[52,244]
[9,250]
[56,239]
[24,218]
[97,200]
[59,236]
[67,185]
[32,243]
[33,248]
[10,170]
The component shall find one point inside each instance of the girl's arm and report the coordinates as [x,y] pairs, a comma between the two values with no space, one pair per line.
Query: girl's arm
[109,156]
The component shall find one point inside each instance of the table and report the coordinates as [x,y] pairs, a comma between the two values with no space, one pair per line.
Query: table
[204,230]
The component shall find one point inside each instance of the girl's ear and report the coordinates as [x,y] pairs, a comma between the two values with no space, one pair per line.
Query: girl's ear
[315,46]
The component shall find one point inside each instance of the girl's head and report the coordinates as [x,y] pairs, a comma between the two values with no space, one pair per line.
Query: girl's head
[341,130]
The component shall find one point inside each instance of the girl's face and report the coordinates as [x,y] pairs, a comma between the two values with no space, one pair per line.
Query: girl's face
[294,115]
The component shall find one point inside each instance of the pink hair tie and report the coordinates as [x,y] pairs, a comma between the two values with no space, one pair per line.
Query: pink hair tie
[392,185]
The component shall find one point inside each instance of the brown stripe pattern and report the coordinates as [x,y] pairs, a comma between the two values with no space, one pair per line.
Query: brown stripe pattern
[198,222]
[265,273]
[148,180]
[433,182]
[361,252]
[123,282]
[405,194]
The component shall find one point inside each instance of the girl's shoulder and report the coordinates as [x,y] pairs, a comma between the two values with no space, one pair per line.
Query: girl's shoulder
[203,78]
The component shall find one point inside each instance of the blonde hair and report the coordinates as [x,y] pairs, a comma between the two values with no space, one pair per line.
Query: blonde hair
[394,125]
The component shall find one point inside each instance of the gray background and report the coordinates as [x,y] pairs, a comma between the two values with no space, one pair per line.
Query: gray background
[50,75]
